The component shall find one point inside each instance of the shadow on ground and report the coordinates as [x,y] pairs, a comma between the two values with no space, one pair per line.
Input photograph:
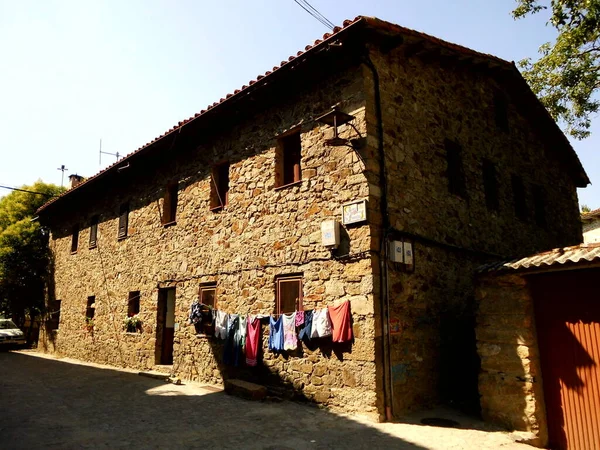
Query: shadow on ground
[47,403]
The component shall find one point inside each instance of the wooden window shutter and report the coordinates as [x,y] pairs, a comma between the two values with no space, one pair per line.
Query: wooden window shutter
[123,220]
[94,232]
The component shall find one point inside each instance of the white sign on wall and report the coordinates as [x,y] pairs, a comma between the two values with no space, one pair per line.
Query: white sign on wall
[354,212]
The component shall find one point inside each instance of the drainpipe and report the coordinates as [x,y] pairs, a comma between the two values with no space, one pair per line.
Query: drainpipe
[383,248]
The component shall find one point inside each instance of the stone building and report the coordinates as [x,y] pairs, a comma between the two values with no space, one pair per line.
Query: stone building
[447,150]
[591,226]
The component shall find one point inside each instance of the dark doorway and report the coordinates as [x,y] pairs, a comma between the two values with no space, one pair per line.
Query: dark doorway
[165,326]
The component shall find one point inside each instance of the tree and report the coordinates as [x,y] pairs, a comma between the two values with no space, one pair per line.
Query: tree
[585,209]
[24,254]
[567,76]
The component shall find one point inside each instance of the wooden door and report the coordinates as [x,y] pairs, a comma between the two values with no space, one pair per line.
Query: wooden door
[567,307]
[166,326]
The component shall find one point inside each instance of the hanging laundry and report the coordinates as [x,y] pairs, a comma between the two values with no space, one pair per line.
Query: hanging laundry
[220,319]
[243,329]
[195,312]
[290,341]
[341,322]
[321,324]
[252,340]
[232,343]
[276,334]
[299,318]
[307,327]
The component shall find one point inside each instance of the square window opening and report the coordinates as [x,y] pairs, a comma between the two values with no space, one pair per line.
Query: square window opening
[94,232]
[123,220]
[133,303]
[170,204]
[219,187]
[54,319]
[75,239]
[490,185]
[207,296]
[90,310]
[288,160]
[456,174]
[288,293]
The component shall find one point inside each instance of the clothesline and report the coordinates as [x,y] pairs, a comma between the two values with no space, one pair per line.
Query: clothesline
[241,332]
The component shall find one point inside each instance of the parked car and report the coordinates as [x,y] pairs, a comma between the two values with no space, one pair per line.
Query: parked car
[10,335]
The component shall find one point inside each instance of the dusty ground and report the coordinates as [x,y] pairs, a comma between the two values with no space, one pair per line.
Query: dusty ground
[62,404]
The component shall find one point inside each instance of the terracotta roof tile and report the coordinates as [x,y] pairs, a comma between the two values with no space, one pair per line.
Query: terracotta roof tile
[374,22]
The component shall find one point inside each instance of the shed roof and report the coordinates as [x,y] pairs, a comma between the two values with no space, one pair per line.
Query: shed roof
[591,215]
[348,27]
[565,256]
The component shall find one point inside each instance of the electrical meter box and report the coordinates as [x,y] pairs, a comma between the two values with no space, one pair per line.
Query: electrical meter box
[330,233]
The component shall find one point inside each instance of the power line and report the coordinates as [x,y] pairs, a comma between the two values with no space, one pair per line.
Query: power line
[315,13]
[29,192]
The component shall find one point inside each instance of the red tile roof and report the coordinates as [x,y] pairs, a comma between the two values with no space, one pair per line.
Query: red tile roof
[262,79]
[590,215]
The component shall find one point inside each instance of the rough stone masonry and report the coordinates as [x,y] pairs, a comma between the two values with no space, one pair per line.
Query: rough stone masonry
[414,341]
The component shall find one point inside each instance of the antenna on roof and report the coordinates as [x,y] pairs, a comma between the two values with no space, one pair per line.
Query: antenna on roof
[105,153]
[62,177]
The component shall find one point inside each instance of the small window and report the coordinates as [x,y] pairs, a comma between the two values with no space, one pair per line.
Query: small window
[288,160]
[519,197]
[54,313]
[133,303]
[170,204]
[539,206]
[501,111]
[90,309]
[219,187]
[123,220]
[75,239]
[490,185]
[288,294]
[94,232]
[456,174]
[208,294]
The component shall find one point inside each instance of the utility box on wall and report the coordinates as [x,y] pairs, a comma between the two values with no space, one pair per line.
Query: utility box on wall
[401,252]
[330,233]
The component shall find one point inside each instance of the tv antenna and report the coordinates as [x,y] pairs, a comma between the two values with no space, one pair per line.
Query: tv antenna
[105,153]
[63,169]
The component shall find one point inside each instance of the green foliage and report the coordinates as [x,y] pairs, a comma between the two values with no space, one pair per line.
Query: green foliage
[24,255]
[567,76]
[132,324]
[585,209]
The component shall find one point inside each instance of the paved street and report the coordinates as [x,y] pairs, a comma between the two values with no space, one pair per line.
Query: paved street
[59,404]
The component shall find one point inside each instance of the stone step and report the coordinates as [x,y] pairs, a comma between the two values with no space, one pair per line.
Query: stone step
[156,375]
[245,389]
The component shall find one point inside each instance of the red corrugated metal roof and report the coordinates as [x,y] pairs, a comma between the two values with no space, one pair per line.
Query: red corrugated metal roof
[262,79]
[583,253]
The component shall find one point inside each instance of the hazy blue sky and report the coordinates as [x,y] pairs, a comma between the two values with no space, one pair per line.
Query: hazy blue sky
[73,72]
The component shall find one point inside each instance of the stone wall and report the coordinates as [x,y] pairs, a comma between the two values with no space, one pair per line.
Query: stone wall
[424,102]
[510,381]
[263,232]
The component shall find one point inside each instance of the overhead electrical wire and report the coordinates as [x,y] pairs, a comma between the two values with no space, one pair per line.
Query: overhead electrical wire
[25,190]
[314,12]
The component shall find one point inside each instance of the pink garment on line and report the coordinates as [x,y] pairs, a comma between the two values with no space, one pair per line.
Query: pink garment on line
[290,340]
[252,340]
[299,318]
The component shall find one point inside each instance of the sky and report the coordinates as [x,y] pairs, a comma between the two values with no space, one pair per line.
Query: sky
[74,72]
